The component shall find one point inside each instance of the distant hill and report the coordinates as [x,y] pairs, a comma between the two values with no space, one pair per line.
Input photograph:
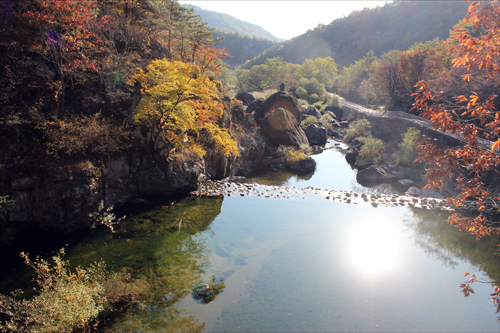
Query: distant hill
[241,48]
[229,23]
[395,26]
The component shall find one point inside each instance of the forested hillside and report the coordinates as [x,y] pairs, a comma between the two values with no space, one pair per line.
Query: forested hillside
[240,48]
[229,24]
[395,26]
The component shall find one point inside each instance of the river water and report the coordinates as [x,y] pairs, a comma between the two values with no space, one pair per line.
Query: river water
[306,264]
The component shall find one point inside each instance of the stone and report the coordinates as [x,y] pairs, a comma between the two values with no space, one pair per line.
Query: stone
[282,128]
[279,100]
[406,182]
[414,192]
[305,166]
[351,156]
[338,112]
[344,124]
[254,105]
[376,174]
[316,134]
[430,193]
[245,97]
[312,111]
[282,86]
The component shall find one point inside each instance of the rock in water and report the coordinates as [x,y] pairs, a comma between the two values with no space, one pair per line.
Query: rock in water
[283,128]
[316,134]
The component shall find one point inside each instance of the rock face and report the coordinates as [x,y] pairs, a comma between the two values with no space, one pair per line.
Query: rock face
[376,174]
[282,128]
[60,200]
[316,134]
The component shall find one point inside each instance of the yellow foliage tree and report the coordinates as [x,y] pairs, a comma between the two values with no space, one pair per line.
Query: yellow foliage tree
[180,107]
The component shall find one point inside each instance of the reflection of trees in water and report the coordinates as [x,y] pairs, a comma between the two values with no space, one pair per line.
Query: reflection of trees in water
[167,259]
[277,178]
[449,245]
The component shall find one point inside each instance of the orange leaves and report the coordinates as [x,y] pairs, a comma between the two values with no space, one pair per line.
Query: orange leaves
[181,106]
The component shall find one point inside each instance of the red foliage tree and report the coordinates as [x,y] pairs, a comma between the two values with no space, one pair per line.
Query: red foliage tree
[474,120]
[67,36]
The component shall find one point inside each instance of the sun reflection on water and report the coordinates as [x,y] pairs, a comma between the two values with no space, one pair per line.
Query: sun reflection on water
[373,248]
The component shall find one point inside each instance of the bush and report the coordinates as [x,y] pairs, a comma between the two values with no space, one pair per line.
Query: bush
[326,120]
[66,302]
[371,151]
[313,98]
[302,93]
[292,154]
[86,135]
[335,100]
[407,150]
[308,121]
[360,128]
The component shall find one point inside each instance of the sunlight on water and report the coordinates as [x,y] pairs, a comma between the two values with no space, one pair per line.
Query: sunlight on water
[373,248]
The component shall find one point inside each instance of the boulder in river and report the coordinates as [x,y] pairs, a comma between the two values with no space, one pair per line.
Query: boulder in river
[282,128]
[316,134]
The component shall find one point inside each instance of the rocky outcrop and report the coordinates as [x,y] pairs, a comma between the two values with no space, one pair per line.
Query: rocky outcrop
[279,100]
[282,128]
[316,134]
[60,199]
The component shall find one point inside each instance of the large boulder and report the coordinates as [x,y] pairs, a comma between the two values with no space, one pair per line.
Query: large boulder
[282,128]
[377,174]
[316,134]
[245,97]
[254,105]
[279,100]
[305,166]
[338,112]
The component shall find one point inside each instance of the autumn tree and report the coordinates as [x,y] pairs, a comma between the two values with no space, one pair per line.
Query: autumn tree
[180,108]
[67,37]
[472,118]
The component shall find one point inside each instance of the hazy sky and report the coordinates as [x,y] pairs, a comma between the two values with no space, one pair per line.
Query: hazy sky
[285,19]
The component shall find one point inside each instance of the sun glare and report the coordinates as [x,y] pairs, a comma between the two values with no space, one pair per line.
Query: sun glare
[373,248]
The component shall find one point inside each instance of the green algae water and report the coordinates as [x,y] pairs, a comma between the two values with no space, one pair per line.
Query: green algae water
[297,265]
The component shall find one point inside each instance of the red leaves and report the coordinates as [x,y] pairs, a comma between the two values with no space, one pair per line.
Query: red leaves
[69,35]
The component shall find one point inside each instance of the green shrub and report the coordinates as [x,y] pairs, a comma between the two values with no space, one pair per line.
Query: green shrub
[303,103]
[335,101]
[326,120]
[313,98]
[308,121]
[407,151]
[360,128]
[67,301]
[292,154]
[302,93]
[371,151]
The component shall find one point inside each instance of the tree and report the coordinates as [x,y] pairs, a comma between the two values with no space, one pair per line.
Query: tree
[67,36]
[181,108]
[474,119]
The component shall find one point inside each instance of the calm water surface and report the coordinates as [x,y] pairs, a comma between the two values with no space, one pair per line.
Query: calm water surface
[298,265]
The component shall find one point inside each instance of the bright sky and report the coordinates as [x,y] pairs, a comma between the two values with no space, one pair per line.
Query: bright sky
[285,19]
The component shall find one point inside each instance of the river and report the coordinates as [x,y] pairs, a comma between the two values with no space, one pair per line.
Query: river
[302,264]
